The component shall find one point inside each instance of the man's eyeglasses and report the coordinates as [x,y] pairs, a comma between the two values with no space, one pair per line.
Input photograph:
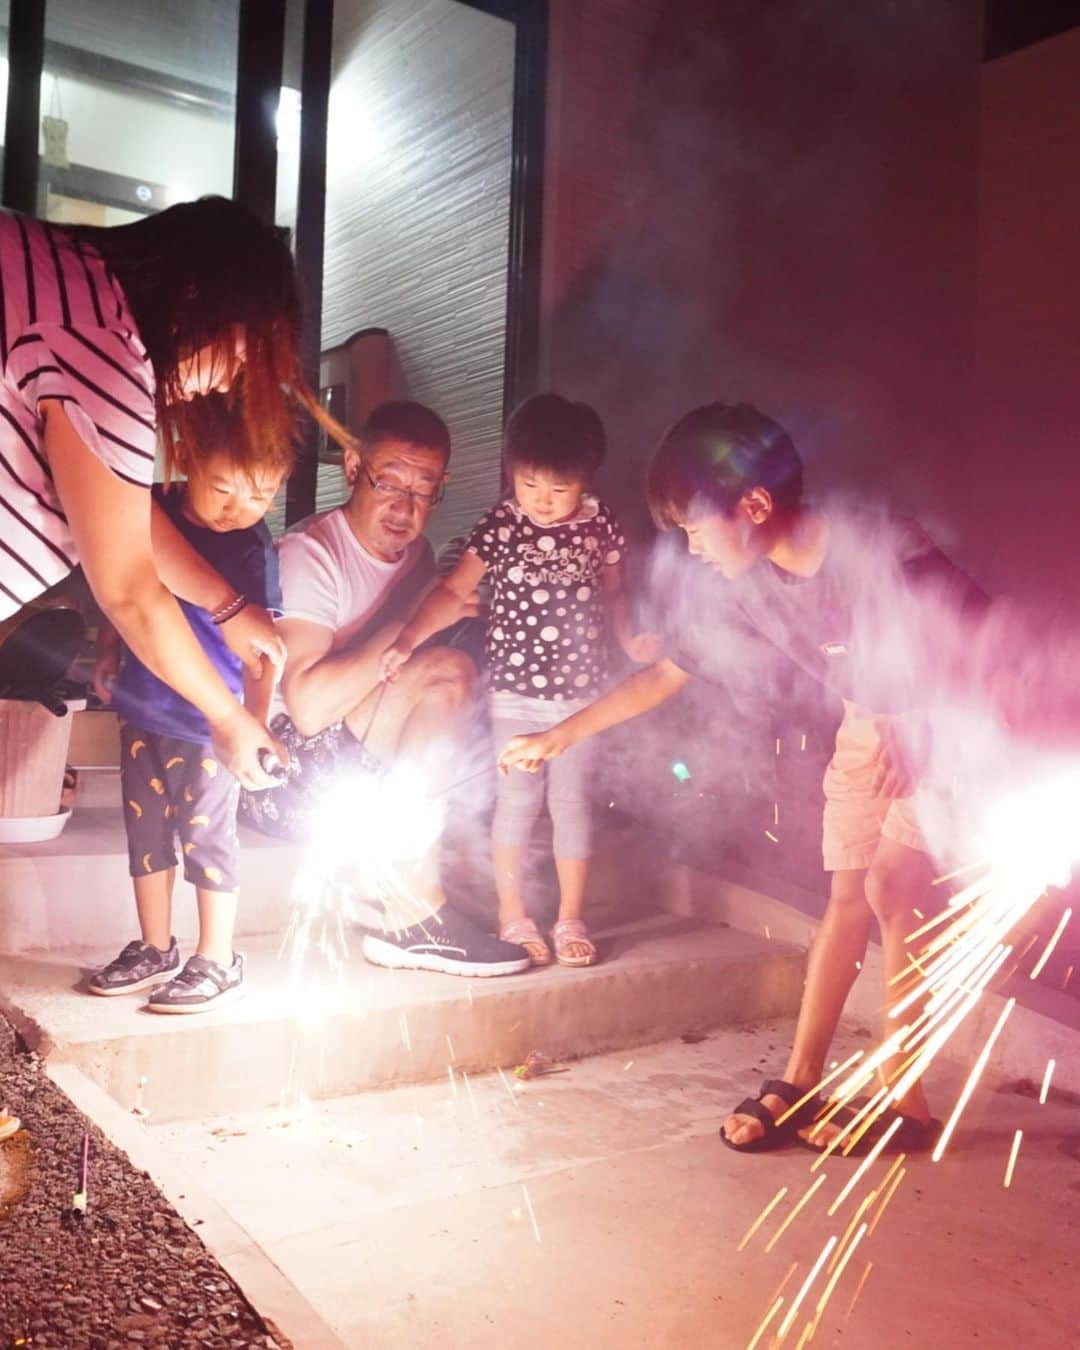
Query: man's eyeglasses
[392,492]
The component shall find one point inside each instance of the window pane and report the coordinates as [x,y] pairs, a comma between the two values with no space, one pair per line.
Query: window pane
[137,106]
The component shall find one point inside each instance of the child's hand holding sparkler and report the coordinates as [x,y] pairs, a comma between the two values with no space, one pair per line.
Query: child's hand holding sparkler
[530,753]
[643,648]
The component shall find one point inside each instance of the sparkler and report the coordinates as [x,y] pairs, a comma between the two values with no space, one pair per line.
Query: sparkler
[792,1312]
[1012,1158]
[796,1209]
[1048,949]
[762,1217]
[1046,1082]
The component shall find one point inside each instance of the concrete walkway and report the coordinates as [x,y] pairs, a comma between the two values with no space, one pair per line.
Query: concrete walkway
[598,1208]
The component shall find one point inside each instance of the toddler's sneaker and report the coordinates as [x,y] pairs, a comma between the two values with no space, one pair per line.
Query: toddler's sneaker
[137,966]
[9,1124]
[200,986]
[449,943]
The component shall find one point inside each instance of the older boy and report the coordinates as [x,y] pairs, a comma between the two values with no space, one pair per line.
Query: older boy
[862,604]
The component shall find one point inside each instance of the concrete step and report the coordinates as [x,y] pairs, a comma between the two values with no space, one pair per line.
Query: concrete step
[659,977]
[74,891]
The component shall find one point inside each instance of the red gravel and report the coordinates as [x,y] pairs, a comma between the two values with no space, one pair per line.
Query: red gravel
[131,1273]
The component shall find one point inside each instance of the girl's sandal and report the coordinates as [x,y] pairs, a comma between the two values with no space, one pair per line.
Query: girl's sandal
[570,933]
[524,933]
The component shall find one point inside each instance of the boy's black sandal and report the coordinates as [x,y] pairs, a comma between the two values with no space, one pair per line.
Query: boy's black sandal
[775,1135]
[913,1136]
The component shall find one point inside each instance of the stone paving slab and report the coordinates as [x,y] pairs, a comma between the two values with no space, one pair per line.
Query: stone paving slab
[405,1217]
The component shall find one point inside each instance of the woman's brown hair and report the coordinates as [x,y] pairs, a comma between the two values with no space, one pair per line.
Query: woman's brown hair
[210,275]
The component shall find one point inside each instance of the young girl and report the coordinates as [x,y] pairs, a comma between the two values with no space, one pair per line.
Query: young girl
[551,553]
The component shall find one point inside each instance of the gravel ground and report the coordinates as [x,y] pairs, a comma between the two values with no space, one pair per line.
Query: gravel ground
[131,1272]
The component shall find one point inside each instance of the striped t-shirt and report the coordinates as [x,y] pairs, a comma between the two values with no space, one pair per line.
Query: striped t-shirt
[67,334]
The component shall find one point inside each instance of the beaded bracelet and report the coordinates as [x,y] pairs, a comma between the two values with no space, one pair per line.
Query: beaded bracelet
[229,610]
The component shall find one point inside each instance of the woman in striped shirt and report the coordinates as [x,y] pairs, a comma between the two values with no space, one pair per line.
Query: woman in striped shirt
[106,336]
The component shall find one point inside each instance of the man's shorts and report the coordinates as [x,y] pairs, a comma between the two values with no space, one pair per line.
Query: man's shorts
[316,766]
[172,787]
[856,820]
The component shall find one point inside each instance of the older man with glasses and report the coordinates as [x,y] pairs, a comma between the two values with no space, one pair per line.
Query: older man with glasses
[349,578]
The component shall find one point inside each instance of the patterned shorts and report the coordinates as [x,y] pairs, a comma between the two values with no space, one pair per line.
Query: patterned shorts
[315,763]
[176,788]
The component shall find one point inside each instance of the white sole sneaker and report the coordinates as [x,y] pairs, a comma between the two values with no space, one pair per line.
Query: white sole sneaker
[381,953]
[161,977]
[228,996]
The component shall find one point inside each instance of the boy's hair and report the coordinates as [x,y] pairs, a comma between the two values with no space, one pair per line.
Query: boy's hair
[403,420]
[549,432]
[213,426]
[713,456]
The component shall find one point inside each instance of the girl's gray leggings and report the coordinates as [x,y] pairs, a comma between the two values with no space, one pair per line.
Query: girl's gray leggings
[562,783]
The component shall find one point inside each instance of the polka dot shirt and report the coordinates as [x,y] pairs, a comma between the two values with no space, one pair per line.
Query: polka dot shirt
[547,623]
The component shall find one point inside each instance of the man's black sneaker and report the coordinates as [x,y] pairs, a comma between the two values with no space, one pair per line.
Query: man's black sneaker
[449,943]
[200,986]
[137,966]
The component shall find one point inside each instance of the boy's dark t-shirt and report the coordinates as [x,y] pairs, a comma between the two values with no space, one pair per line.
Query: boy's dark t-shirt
[247,560]
[881,623]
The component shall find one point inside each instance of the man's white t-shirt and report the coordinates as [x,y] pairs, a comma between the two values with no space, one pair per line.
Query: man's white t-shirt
[329,578]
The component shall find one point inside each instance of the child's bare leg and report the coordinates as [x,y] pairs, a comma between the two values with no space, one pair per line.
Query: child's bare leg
[217,921]
[896,884]
[153,900]
[508,861]
[830,973]
[573,878]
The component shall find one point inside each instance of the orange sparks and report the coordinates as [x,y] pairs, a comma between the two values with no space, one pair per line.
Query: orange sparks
[888,1193]
[865,1165]
[917,912]
[802,743]
[1062,923]
[864,1205]
[789,1318]
[769,835]
[776,813]
[959,872]
[762,1217]
[807,1332]
[853,1059]
[768,935]
[973,1078]
[834,1279]
[1046,1082]
[1012,1158]
[765,1324]
[778,745]
[859,1287]
[783,1283]
[796,1209]
[1029,944]
[1065,981]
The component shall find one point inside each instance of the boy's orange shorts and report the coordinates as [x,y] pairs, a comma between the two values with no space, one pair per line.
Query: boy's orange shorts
[855,820]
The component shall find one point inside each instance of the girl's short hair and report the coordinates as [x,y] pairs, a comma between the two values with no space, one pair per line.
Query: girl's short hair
[713,456]
[210,274]
[550,432]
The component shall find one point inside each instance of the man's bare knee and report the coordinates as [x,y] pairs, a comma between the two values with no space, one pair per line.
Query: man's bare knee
[440,676]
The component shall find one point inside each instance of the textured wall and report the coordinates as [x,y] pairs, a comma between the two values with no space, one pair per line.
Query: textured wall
[1024,481]
[773,202]
[417,212]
